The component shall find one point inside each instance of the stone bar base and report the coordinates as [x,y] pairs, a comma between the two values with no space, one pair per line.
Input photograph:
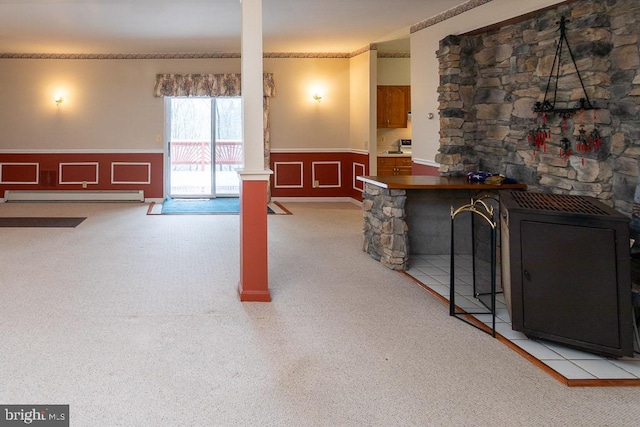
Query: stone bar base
[414,212]
[385,230]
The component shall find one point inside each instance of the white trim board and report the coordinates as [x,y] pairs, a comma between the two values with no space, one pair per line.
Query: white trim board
[73,196]
[317,199]
[317,150]
[426,162]
[83,151]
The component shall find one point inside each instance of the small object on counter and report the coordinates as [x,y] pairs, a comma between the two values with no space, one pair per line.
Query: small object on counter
[478,176]
[495,180]
[489,178]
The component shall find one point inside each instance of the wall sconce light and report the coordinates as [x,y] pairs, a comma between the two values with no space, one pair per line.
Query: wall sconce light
[58,99]
[317,97]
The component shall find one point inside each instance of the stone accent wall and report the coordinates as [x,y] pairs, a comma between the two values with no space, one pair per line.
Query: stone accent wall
[489,83]
[385,230]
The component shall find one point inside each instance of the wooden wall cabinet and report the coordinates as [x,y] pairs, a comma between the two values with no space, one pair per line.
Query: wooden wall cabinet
[394,166]
[394,104]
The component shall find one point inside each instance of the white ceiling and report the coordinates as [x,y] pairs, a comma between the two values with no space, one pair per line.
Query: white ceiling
[205,26]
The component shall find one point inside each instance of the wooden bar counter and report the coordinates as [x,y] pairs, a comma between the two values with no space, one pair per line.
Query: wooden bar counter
[413,212]
[424,182]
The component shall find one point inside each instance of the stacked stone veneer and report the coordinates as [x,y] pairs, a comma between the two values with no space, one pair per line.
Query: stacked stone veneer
[489,83]
[385,230]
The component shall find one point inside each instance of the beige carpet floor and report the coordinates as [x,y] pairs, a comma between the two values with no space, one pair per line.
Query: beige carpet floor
[134,320]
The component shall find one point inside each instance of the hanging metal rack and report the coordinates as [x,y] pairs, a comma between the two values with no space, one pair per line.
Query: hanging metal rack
[539,135]
[549,106]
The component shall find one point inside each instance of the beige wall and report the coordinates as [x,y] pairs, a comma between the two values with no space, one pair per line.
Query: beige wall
[109,105]
[297,120]
[393,71]
[424,65]
[362,106]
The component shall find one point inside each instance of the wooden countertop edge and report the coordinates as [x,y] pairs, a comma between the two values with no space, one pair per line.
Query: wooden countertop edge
[457,184]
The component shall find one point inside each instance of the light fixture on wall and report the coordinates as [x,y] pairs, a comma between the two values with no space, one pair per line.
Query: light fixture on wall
[317,96]
[58,99]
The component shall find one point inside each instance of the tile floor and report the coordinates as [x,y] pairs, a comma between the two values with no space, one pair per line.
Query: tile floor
[433,271]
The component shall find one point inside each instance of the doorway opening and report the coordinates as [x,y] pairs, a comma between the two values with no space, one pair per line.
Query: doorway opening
[205,146]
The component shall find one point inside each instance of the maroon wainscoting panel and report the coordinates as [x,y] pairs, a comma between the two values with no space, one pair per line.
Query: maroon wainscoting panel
[328,174]
[287,174]
[294,174]
[70,171]
[130,173]
[19,173]
[79,172]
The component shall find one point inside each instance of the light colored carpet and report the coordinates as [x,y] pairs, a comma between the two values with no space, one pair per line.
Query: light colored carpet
[134,320]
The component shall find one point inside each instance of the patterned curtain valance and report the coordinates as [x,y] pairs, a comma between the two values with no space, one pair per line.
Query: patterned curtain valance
[205,85]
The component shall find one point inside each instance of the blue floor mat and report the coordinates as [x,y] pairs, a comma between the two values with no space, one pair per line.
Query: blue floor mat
[221,205]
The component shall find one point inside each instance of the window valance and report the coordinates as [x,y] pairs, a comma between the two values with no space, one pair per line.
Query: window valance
[205,85]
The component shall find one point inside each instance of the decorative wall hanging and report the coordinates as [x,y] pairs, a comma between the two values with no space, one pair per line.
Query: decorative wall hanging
[541,133]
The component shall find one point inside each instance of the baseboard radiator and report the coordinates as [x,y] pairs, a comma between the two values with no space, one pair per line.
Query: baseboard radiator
[73,196]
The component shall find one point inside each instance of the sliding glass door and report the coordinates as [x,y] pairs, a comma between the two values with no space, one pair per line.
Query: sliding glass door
[205,146]
[227,144]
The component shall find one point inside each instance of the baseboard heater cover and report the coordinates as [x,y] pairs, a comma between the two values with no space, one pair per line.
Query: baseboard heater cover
[74,196]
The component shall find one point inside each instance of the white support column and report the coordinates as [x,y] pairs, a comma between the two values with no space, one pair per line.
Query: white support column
[254,284]
[252,85]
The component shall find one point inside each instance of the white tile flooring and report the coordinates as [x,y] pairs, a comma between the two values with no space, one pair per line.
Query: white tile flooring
[434,272]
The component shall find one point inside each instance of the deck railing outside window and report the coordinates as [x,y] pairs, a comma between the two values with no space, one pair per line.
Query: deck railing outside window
[196,155]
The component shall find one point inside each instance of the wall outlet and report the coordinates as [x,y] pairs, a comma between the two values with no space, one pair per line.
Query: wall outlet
[84,184]
[316,184]
[382,139]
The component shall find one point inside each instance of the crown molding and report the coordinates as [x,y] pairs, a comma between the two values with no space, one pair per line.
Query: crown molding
[337,55]
[394,55]
[200,55]
[117,55]
[448,14]
[213,55]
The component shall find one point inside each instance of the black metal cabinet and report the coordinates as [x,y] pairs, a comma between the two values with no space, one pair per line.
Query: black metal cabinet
[566,260]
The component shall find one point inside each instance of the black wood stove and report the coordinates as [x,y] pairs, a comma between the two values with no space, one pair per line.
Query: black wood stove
[566,272]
